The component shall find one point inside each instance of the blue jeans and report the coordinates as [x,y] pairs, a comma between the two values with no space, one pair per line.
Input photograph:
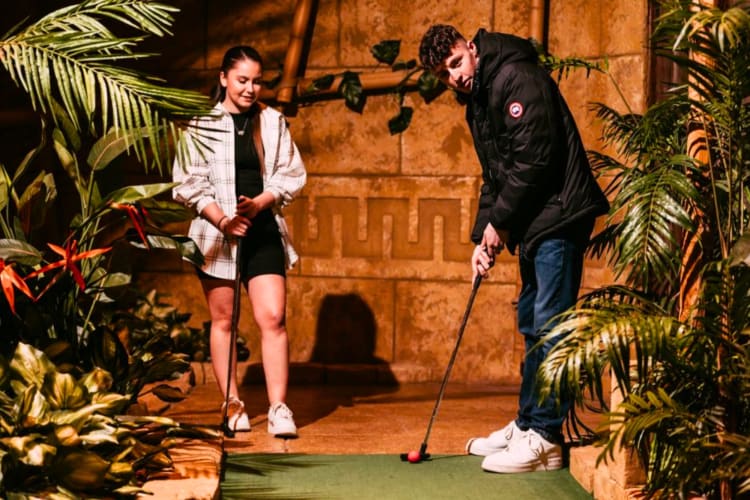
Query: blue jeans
[550,281]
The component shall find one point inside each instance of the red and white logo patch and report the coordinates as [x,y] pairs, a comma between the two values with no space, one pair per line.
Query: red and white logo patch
[515,109]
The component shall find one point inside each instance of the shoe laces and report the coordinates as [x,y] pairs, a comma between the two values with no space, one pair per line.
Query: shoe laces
[280,410]
[235,406]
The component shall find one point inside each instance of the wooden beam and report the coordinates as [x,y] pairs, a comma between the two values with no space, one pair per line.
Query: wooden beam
[294,51]
[375,81]
[537,21]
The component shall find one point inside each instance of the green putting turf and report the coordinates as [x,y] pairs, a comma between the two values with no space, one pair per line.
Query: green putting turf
[385,477]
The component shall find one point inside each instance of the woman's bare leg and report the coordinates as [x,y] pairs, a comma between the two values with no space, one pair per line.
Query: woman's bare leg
[268,296]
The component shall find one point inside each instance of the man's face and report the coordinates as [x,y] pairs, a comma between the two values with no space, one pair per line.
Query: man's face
[457,70]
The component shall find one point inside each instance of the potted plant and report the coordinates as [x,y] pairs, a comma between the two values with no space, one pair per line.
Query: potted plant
[674,333]
[66,376]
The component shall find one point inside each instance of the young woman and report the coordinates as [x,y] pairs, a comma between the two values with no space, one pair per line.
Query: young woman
[237,190]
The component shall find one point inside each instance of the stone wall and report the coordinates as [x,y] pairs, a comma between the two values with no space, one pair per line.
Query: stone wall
[383,224]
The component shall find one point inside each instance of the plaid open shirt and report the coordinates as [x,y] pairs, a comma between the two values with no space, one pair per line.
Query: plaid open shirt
[211,178]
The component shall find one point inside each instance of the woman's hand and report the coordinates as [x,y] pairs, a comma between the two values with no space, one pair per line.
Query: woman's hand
[248,207]
[235,226]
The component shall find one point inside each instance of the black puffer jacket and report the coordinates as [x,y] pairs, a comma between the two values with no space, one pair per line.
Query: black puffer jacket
[537,179]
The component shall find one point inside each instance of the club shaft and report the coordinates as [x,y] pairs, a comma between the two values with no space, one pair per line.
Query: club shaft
[232,339]
[461,328]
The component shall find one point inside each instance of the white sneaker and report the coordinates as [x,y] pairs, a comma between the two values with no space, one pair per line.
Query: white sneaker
[495,442]
[237,420]
[280,421]
[529,453]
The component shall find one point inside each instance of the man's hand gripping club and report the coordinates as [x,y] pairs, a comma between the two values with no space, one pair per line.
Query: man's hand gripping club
[493,242]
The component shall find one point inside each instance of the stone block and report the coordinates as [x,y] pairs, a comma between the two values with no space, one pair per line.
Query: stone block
[333,139]
[630,74]
[428,316]
[264,25]
[339,320]
[625,27]
[511,17]
[325,36]
[450,152]
[365,23]
[386,227]
[585,39]
[583,465]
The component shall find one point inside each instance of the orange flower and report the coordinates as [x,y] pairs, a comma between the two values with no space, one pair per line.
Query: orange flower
[68,263]
[10,279]
[137,217]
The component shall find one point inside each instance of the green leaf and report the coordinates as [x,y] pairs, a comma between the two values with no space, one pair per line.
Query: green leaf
[113,144]
[31,155]
[18,251]
[184,245]
[322,83]
[68,161]
[351,89]
[36,200]
[80,470]
[131,194]
[5,187]
[29,451]
[168,393]
[110,403]
[106,351]
[67,127]
[63,392]
[114,280]
[162,212]
[400,122]
[386,51]
[97,380]
[33,408]
[740,253]
[429,86]
[166,368]
[404,65]
[30,364]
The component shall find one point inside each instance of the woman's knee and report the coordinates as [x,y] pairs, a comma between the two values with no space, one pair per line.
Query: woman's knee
[270,319]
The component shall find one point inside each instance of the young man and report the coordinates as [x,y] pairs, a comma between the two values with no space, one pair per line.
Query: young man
[539,199]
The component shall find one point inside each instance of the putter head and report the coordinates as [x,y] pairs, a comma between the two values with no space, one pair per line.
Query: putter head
[226,430]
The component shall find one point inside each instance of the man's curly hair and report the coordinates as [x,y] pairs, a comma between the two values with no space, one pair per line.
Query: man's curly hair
[436,45]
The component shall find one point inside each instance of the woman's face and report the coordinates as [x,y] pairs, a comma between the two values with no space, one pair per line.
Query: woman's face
[243,82]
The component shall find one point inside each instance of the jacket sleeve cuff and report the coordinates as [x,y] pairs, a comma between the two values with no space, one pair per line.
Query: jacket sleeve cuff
[201,204]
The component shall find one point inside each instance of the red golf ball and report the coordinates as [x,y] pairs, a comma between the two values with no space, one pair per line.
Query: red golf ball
[413,456]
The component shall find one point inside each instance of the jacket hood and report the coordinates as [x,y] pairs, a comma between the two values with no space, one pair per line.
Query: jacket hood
[497,49]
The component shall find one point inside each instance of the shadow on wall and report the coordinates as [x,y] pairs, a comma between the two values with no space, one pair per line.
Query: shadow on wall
[345,339]
[343,366]
[344,348]
[345,332]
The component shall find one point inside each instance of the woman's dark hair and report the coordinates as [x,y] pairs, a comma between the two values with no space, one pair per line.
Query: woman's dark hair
[232,57]
[436,45]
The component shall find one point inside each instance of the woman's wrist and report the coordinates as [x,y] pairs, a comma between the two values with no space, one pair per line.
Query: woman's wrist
[221,225]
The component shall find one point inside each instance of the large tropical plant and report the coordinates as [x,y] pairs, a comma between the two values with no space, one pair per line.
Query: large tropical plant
[92,111]
[61,278]
[674,334]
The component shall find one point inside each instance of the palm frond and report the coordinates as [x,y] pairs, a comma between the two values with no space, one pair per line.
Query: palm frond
[69,56]
[606,330]
[654,207]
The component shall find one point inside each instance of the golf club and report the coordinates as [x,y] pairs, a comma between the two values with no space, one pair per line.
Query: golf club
[415,456]
[232,340]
